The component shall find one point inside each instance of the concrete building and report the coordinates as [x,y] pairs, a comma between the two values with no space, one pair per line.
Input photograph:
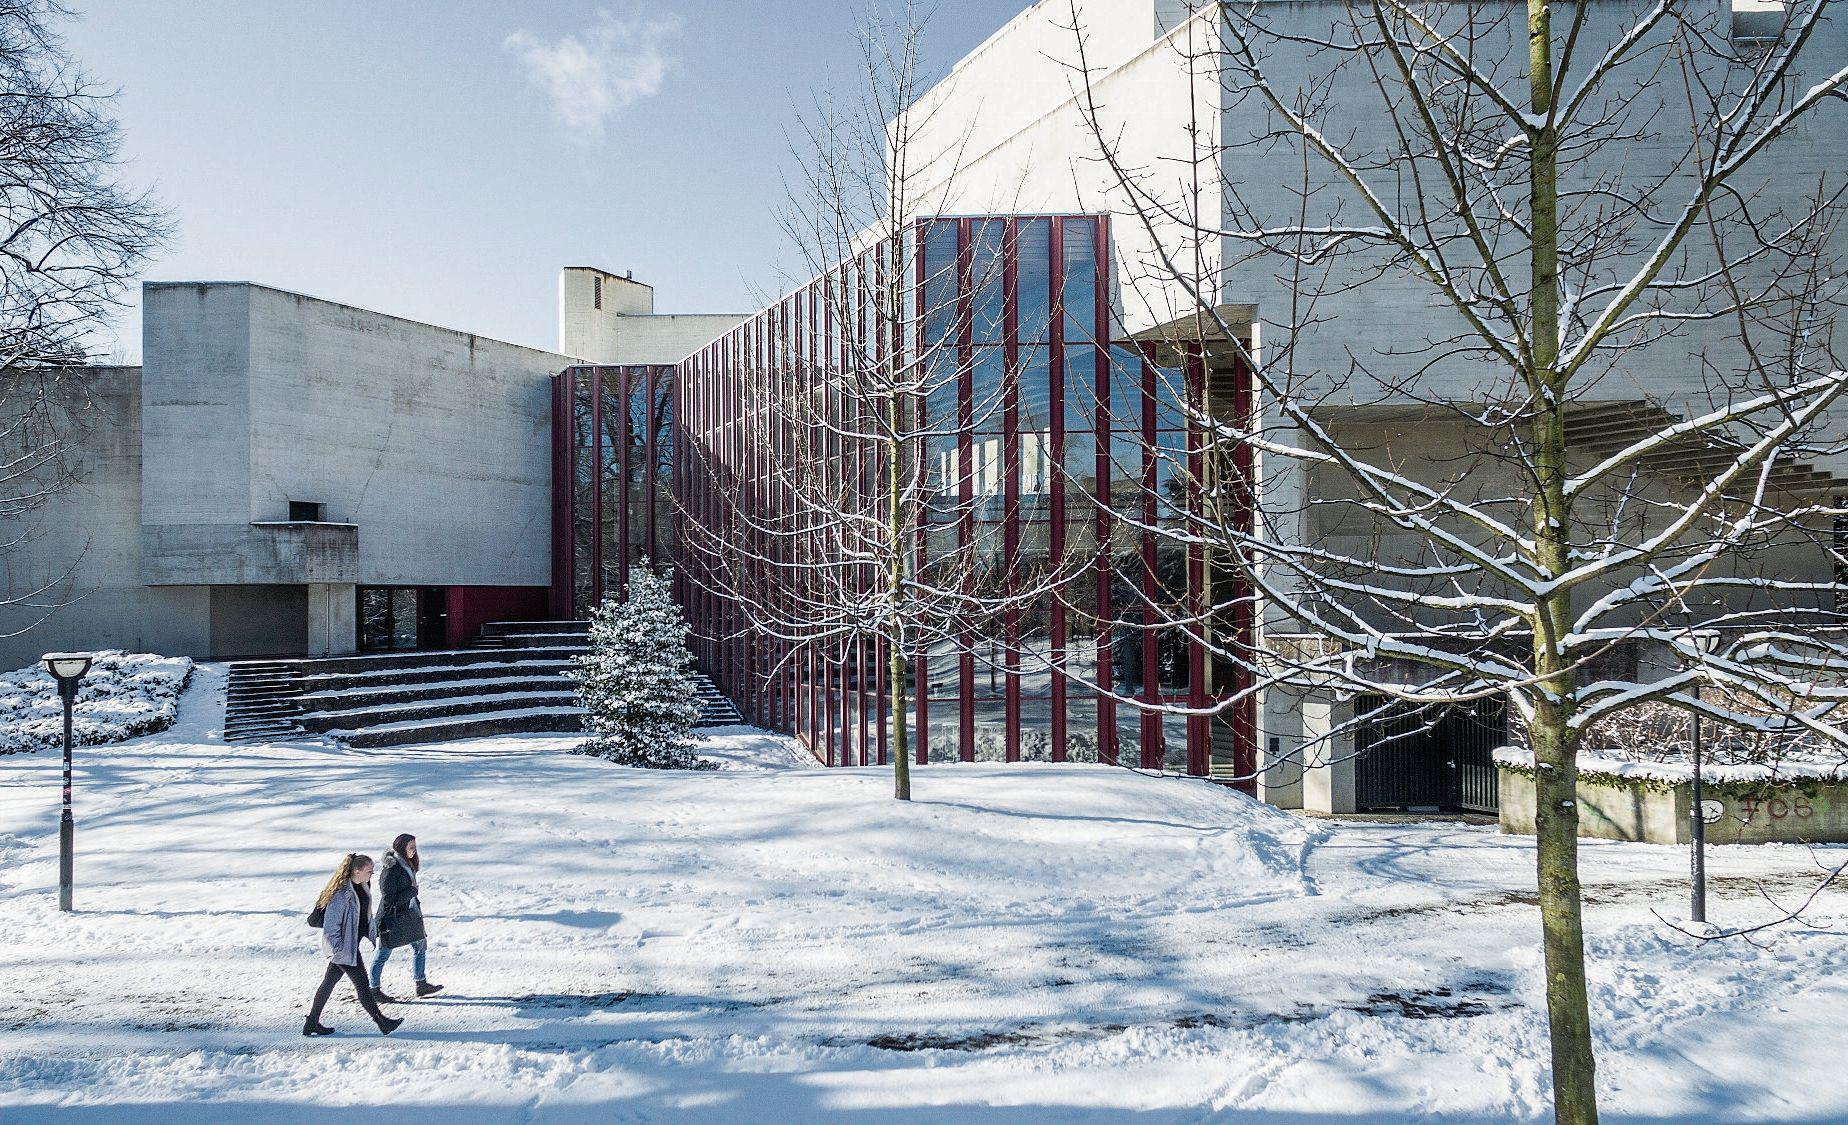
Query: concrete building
[291,475]
[282,468]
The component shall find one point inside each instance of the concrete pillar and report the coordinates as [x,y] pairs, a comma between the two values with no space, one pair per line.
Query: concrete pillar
[1280,742]
[1328,754]
[333,627]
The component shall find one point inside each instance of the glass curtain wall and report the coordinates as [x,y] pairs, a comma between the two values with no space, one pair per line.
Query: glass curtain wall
[611,474]
[1050,454]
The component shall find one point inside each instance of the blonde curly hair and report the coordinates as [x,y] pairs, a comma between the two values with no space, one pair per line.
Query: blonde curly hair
[351,863]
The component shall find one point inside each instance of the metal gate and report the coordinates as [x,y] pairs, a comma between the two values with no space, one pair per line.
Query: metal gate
[1428,757]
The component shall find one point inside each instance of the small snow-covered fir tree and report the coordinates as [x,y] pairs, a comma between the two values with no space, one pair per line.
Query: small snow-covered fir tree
[639,701]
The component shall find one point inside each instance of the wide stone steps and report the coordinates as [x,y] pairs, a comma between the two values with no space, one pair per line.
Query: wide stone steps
[534,720]
[343,723]
[514,682]
[500,664]
[261,701]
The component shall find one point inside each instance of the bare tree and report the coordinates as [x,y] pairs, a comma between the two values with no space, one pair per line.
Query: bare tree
[839,546]
[71,238]
[1605,239]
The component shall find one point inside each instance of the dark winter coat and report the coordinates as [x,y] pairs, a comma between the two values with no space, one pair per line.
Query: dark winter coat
[348,919]
[400,914]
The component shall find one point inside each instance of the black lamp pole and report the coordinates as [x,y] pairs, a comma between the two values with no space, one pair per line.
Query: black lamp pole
[1708,642]
[1698,815]
[69,669]
[67,825]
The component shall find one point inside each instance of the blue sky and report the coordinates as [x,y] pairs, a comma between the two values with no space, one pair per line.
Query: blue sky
[417,156]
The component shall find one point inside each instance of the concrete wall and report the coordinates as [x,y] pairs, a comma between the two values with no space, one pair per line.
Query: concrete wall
[1393,316]
[995,96]
[85,543]
[626,328]
[429,449]
[1466,463]
[1788,812]
[433,444]
[1006,133]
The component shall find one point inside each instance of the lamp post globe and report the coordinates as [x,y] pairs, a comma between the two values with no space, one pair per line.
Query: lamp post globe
[69,669]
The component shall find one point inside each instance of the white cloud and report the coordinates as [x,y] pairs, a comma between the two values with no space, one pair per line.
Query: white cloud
[591,76]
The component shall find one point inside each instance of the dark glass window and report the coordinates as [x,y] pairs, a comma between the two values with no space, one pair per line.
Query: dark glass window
[940,297]
[387,618]
[1035,387]
[1080,387]
[1033,280]
[987,280]
[303,511]
[985,401]
[1080,283]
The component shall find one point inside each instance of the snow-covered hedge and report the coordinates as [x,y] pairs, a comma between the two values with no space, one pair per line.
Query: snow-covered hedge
[1653,743]
[125,695]
[1607,766]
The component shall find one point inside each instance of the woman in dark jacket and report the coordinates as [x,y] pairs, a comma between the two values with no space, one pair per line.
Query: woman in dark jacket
[346,916]
[401,916]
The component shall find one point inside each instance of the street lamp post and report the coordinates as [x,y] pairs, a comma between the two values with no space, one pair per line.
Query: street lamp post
[1707,642]
[68,668]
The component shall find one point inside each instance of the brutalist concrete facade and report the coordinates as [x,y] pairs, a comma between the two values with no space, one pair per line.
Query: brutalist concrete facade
[421,454]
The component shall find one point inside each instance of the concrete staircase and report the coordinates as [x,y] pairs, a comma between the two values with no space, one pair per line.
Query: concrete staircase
[513,681]
[715,710]
[261,701]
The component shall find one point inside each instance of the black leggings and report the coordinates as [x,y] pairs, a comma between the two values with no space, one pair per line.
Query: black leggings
[360,985]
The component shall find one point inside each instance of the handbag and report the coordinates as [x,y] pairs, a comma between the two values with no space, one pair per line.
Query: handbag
[317,917]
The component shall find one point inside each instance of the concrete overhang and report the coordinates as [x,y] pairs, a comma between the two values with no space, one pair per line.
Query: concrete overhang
[267,553]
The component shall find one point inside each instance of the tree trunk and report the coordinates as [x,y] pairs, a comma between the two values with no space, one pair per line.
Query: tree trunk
[1555,743]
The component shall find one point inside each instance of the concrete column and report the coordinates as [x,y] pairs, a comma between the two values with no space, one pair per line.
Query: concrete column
[1328,754]
[332,625]
[1280,742]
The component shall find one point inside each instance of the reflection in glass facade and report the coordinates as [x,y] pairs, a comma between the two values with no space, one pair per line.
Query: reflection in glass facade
[1060,450]
[611,504]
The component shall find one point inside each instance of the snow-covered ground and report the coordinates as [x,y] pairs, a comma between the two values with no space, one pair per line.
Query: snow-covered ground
[124,694]
[776,943]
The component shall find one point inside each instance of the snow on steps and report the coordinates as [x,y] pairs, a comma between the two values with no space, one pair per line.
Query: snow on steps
[514,682]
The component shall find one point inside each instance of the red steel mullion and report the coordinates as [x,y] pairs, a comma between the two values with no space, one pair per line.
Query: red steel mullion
[1153,730]
[965,458]
[1244,618]
[1105,435]
[596,485]
[625,386]
[921,659]
[1055,374]
[1010,501]
[863,351]
[879,345]
[1199,727]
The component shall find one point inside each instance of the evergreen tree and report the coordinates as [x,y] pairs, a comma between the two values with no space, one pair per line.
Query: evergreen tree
[639,701]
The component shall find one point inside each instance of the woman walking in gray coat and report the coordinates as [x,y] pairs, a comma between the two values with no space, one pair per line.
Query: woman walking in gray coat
[401,920]
[345,907]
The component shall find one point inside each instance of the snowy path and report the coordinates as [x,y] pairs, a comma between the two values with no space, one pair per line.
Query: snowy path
[777,943]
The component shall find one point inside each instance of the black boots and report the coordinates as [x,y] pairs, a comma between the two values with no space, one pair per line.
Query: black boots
[425,988]
[382,997]
[312,1026]
[387,1025]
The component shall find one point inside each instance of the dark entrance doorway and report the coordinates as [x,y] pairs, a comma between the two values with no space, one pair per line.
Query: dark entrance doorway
[402,617]
[1428,757]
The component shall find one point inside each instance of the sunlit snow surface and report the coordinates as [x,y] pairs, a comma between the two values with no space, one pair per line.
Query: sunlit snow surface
[777,942]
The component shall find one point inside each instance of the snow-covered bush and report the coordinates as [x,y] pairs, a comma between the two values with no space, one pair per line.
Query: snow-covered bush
[1664,733]
[639,702]
[126,694]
